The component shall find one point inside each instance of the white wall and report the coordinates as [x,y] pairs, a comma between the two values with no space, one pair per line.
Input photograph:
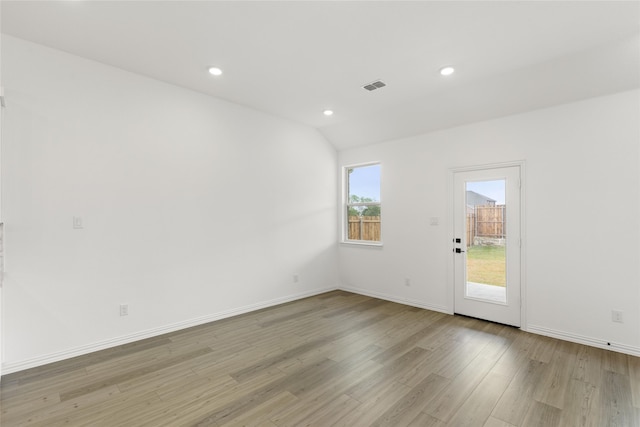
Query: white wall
[582,216]
[194,208]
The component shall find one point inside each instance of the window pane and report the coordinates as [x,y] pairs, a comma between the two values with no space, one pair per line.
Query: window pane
[363,227]
[363,204]
[486,240]
[364,184]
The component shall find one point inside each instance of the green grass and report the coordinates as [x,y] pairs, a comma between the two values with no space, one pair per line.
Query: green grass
[486,264]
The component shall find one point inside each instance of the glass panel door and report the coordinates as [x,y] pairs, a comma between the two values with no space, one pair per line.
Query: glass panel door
[487,244]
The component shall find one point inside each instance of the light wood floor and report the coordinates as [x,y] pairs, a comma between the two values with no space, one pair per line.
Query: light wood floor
[335,359]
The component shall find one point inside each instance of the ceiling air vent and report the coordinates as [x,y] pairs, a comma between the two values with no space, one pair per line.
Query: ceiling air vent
[374,85]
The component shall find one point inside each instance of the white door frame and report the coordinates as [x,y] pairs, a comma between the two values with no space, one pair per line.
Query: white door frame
[450,235]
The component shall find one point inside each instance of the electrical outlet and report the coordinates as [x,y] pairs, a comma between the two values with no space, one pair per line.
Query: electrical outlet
[296,278]
[124,309]
[407,282]
[77,223]
[616,316]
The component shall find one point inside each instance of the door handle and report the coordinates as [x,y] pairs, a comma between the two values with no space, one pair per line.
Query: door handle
[458,250]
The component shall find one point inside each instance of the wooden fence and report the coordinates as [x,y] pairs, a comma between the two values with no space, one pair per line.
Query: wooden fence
[483,221]
[471,228]
[486,221]
[364,228]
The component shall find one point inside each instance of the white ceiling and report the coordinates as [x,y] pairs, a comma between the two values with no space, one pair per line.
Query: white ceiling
[295,59]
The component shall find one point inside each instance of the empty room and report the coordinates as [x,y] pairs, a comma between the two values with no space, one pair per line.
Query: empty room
[320,213]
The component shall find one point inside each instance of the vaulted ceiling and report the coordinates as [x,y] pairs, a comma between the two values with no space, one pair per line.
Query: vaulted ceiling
[296,59]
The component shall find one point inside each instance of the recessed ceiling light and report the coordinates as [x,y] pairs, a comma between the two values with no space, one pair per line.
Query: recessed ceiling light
[446,71]
[328,112]
[215,71]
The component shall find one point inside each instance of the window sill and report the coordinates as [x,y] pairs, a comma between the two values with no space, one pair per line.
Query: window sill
[361,243]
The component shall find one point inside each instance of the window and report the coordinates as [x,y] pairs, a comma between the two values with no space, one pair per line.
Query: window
[362,215]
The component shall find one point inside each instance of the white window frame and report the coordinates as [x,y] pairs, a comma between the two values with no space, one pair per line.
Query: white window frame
[346,204]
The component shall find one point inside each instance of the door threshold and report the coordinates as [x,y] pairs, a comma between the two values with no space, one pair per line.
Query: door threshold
[485,320]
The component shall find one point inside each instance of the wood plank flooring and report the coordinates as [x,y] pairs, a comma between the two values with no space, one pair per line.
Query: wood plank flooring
[337,359]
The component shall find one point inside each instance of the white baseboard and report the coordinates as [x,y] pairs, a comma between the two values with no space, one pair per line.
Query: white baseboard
[392,298]
[593,342]
[539,330]
[9,368]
